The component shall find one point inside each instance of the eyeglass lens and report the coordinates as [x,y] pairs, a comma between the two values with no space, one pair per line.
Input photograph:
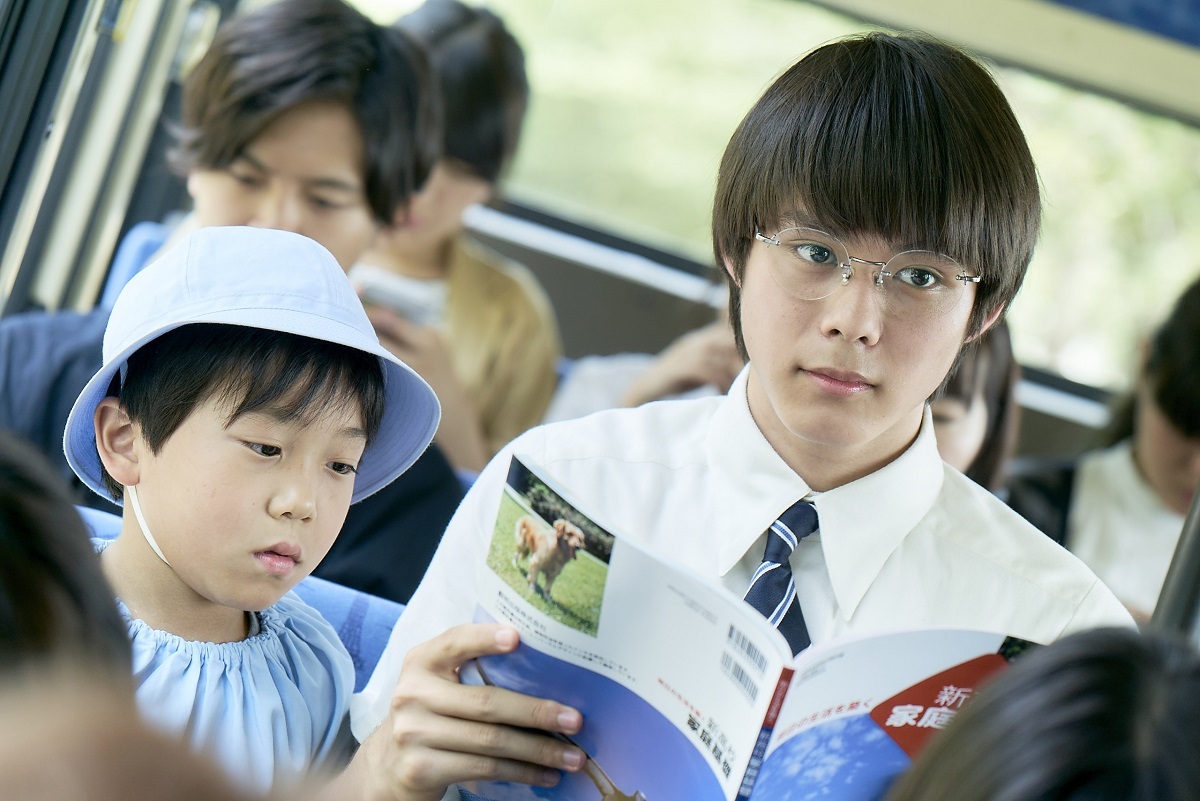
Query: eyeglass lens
[809,265]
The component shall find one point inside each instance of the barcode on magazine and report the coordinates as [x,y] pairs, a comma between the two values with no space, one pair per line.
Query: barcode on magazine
[747,649]
[734,670]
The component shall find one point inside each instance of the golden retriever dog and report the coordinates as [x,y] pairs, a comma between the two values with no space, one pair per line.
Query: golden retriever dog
[551,548]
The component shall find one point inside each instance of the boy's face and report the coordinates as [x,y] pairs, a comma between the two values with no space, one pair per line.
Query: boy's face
[245,512]
[303,174]
[838,385]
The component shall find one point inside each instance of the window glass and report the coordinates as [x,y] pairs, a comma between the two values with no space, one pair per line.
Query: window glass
[634,101]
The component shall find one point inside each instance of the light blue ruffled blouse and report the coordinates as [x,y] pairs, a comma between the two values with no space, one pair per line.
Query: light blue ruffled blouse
[266,708]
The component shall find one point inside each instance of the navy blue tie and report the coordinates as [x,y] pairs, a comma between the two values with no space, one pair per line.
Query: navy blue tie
[773,588]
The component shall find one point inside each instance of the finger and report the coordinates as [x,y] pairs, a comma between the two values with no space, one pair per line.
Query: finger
[497,742]
[451,649]
[439,769]
[493,705]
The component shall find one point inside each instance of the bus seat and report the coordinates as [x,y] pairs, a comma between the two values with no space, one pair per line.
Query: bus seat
[141,242]
[363,621]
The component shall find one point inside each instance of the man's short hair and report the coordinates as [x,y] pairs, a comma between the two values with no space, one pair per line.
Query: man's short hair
[900,136]
[480,70]
[266,62]
[249,370]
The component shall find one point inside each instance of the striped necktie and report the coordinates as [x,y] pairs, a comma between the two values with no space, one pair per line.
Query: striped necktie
[773,588]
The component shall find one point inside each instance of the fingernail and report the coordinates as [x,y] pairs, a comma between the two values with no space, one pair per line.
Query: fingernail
[572,759]
[548,778]
[506,638]
[569,721]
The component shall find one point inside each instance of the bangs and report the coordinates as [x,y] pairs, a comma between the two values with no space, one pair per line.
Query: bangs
[305,386]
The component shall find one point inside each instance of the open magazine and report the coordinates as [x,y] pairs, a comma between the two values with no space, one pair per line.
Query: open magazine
[687,691]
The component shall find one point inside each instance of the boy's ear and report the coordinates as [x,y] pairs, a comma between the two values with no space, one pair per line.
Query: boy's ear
[116,442]
[987,323]
[191,177]
[729,269]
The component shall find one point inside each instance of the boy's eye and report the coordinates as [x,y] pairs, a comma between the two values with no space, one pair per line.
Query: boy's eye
[264,450]
[325,204]
[918,278]
[815,254]
[343,469]
[246,179]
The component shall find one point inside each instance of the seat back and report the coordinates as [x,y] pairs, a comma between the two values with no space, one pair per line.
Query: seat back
[140,242]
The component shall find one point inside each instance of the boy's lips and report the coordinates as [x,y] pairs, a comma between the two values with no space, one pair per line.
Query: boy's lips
[838,382]
[280,559]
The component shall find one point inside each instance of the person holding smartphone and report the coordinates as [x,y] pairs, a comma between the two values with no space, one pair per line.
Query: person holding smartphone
[478,328]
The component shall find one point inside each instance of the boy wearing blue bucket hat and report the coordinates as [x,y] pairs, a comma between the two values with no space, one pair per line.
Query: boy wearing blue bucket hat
[244,403]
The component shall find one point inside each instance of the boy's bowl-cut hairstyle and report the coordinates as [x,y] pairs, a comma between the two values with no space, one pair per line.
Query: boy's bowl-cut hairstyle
[896,135]
[480,71]
[270,60]
[294,378]
[267,281]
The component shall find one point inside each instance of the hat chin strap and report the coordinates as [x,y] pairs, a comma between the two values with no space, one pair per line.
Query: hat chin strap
[137,512]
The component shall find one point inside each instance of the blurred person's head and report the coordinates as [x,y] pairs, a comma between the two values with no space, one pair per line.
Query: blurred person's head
[480,74]
[976,413]
[1167,419]
[306,116]
[1104,715]
[55,603]
[72,736]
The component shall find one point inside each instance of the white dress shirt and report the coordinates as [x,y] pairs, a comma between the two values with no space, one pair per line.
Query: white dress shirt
[1119,527]
[915,544]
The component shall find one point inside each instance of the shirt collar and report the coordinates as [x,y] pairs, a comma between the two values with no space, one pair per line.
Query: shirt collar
[753,484]
[861,523]
[864,521]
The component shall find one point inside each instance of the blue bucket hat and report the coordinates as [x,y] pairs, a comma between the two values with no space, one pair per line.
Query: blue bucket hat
[260,278]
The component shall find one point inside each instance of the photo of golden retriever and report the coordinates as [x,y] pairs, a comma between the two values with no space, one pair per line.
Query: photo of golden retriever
[548,549]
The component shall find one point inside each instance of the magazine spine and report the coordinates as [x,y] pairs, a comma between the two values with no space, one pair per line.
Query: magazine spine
[764,735]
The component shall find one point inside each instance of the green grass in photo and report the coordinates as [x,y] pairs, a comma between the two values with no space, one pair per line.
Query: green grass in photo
[579,589]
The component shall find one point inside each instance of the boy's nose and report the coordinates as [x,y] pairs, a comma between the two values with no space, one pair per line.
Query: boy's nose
[294,499]
[280,211]
[854,311]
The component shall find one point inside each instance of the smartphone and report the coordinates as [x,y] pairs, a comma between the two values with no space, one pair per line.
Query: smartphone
[378,290]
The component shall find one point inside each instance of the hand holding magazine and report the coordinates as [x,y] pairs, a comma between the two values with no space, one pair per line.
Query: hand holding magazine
[687,691]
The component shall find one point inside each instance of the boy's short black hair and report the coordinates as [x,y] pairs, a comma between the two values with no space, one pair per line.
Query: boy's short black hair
[250,369]
[896,135]
[480,71]
[266,62]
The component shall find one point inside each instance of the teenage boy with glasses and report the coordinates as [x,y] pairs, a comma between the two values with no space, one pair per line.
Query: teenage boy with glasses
[875,212]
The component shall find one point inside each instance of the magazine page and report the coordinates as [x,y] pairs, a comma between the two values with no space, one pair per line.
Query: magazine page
[858,710]
[673,674]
